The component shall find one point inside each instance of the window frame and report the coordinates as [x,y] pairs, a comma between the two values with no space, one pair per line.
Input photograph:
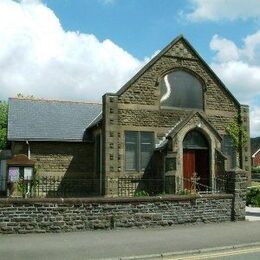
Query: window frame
[135,149]
[192,73]
[138,150]
[229,150]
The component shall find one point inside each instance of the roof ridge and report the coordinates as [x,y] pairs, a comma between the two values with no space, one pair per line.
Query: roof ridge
[149,63]
[254,154]
[56,100]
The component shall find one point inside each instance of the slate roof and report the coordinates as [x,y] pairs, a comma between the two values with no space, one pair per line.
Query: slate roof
[49,120]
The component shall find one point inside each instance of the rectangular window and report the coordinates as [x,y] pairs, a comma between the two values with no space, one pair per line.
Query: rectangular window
[131,150]
[170,164]
[228,148]
[146,148]
[138,150]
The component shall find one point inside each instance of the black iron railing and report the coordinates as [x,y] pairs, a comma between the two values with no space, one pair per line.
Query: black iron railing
[53,186]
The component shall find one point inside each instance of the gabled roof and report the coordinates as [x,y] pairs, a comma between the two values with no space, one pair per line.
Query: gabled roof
[179,126]
[96,121]
[161,53]
[49,120]
[253,156]
[255,144]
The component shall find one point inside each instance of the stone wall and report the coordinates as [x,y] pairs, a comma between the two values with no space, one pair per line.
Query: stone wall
[237,185]
[60,158]
[246,151]
[62,215]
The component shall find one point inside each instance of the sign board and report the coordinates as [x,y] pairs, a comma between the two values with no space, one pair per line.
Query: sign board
[28,173]
[13,174]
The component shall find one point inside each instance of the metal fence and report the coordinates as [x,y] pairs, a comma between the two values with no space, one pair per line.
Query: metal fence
[52,186]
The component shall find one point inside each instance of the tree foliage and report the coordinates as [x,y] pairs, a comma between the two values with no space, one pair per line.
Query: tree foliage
[3,124]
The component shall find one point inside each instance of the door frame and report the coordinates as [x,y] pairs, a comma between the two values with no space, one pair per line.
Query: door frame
[193,154]
[211,153]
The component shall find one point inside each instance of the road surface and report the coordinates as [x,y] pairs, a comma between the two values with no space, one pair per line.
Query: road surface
[127,242]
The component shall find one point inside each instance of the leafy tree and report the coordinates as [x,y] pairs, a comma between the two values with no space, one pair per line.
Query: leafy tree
[3,124]
[238,134]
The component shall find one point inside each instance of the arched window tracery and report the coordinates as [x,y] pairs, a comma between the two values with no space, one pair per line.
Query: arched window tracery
[181,89]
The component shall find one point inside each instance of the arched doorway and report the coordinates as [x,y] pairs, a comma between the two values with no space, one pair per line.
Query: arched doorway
[196,160]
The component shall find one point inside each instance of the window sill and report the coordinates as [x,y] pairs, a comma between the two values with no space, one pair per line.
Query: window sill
[181,108]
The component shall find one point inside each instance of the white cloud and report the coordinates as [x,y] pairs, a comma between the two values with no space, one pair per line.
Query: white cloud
[227,50]
[216,10]
[107,2]
[239,68]
[37,57]
[255,121]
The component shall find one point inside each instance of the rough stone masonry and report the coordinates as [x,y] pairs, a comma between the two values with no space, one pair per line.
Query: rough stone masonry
[63,215]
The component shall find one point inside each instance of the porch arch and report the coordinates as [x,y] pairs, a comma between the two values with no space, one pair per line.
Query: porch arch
[196,160]
[213,143]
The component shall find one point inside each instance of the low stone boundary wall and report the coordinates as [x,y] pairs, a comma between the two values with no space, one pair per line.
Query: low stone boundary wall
[62,215]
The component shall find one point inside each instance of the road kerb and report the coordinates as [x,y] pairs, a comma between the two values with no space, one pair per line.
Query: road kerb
[190,252]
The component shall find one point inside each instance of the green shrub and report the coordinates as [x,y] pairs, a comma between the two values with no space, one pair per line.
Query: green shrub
[141,193]
[253,197]
[256,169]
[183,192]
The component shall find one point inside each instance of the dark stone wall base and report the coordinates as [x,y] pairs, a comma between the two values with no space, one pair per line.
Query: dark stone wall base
[64,215]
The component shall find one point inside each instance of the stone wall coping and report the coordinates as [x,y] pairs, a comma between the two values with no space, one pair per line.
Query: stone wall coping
[114,200]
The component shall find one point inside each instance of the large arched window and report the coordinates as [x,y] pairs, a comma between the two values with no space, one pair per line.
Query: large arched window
[181,89]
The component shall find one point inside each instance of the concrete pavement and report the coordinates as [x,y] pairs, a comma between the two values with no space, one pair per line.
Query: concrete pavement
[252,214]
[127,242]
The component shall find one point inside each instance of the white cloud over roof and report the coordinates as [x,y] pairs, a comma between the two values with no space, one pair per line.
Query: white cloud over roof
[38,57]
[239,68]
[216,10]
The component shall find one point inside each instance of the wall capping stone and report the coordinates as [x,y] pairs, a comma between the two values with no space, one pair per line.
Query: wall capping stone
[114,200]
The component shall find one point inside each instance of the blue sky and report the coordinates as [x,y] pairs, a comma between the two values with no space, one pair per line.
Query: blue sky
[143,26]
[78,50]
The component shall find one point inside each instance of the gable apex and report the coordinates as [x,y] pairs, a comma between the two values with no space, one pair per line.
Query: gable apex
[193,114]
[150,63]
[164,52]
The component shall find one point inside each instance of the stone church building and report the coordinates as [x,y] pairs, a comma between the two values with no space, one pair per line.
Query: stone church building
[169,120]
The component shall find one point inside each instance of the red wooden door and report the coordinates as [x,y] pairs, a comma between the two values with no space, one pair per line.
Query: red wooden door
[188,167]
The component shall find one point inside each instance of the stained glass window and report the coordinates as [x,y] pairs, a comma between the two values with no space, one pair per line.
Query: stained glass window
[181,89]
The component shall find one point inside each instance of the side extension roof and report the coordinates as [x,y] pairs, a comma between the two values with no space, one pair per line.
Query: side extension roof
[49,120]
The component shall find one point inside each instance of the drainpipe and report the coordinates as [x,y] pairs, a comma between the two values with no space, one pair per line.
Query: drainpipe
[29,156]
[101,164]
[28,149]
